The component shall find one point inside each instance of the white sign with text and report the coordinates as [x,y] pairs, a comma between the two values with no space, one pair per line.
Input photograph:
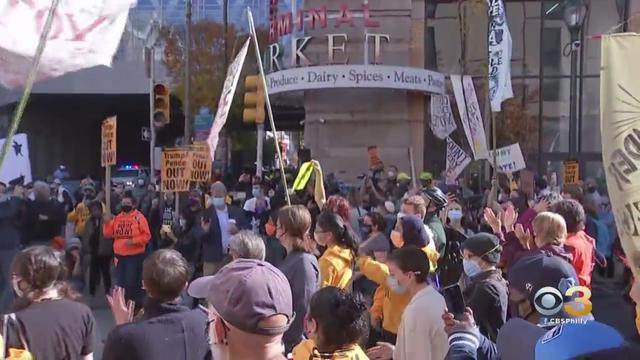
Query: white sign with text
[457,161]
[509,159]
[356,76]
[470,115]
[442,123]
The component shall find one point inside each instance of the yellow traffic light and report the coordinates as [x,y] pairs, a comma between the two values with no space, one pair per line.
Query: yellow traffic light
[254,99]
[161,104]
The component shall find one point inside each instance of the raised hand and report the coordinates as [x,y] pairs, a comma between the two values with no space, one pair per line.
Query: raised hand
[525,237]
[493,220]
[121,309]
[509,218]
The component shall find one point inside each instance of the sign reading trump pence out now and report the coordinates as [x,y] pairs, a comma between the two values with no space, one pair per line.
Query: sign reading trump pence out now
[175,168]
[200,160]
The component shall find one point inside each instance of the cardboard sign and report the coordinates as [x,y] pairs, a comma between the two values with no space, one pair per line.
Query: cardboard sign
[200,168]
[442,123]
[571,172]
[457,161]
[175,170]
[509,159]
[109,127]
[374,158]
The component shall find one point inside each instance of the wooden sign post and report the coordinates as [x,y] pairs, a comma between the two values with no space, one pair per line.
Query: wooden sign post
[108,156]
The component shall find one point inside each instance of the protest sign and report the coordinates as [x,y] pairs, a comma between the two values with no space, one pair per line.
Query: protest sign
[83,34]
[226,98]
[17,163]
[620,127]
[457,160]
[200,168]
[175,168]
[571,171]
[442,123]
[470,115]
[509,159]
[500,48]
[109,131]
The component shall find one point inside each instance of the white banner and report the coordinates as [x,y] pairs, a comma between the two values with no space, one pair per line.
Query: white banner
[470,115]
[356,76]
[500,47]
[17,162]
[226,98]
[509,159]
[83,34]
[457,160]
[442,123]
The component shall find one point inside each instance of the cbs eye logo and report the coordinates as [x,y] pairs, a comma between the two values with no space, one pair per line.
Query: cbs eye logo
[549,301]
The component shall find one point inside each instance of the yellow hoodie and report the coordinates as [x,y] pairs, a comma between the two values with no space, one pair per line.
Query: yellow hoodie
[394,303]
[336,267]
[304,351]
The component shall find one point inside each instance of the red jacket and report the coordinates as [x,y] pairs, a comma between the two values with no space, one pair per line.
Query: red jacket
[582,247]
[130,233]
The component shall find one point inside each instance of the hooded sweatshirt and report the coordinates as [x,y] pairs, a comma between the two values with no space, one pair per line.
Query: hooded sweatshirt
[336,267]
[394,304]
[304,351]
[128,226]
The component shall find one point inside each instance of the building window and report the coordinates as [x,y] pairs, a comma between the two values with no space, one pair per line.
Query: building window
[551,61]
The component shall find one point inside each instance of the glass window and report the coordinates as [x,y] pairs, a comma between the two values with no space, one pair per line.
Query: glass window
[590,139]
[520,120]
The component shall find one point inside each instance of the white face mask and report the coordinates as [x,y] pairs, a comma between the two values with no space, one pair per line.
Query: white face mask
[395,286]
[183,222]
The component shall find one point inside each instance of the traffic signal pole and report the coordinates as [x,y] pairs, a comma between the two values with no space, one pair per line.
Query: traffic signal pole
[260,147]
[152,141]
[187,79]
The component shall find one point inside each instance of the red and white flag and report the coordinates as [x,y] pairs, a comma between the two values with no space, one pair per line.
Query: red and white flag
[84,33]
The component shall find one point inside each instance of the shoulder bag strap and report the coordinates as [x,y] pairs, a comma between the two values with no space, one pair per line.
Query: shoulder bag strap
[23,340]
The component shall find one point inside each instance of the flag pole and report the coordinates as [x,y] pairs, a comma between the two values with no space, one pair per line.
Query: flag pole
[254,35]
[31,78]
[494,135]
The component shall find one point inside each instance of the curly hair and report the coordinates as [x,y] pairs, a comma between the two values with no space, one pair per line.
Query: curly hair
[339,206]
[573,214]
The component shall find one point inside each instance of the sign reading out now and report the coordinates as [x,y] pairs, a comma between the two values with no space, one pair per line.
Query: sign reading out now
[108,153]
[175,170]
[200,170]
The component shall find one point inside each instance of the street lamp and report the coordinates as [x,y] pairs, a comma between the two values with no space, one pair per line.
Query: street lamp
[574,14]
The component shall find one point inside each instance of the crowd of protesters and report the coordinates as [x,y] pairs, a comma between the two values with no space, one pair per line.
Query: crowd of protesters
[380,270]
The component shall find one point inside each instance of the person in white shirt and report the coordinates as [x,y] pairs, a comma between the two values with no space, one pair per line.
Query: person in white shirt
[421,334]
[256,207]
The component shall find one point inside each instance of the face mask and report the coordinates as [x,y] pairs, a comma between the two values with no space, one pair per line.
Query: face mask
[270,229]
[218,202]
[272,193]
[183,223]
[141,182]
[471,268]
[255,192]
[126,208]
[90,197]
[400,215]
[395,286]
[455,214]
[396,239]
[15,282]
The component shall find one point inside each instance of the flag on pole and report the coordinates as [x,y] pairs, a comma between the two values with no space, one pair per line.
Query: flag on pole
[500,46]
[226,98]
[83,34]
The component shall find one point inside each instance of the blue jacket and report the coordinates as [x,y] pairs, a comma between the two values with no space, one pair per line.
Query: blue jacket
[212,241]
[468,345]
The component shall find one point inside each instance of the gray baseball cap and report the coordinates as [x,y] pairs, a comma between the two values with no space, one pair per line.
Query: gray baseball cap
[245,292]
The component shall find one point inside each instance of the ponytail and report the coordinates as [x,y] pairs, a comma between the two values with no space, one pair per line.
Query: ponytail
[342,232]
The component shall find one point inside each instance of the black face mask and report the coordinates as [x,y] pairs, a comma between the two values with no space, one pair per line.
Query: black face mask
[126,208]
[90,197]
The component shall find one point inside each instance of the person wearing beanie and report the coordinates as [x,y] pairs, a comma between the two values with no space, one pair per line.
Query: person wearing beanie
[486,292]
[409,232]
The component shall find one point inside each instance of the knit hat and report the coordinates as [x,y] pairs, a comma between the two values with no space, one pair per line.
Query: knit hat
[484,245]
[413,231]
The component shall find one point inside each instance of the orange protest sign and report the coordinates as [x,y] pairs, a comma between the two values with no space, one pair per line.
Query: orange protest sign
[200,168]
[175,168]
[571,172]
[108,156]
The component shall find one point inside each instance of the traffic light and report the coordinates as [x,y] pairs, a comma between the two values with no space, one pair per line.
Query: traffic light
[253,100]
[161,101]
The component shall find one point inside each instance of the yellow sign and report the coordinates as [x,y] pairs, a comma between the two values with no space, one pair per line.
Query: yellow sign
[571,172]
[304,174]
[200,168]
[175,169]
[109,127]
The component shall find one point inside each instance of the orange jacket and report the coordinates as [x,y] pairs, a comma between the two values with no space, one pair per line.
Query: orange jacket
[130,233]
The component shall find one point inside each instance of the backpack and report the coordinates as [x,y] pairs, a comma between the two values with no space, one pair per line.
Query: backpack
[450,264]
[12,353]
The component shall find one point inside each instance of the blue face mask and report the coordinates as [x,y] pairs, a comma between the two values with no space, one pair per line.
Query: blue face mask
[256,192]
[218,202]
[471,268]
